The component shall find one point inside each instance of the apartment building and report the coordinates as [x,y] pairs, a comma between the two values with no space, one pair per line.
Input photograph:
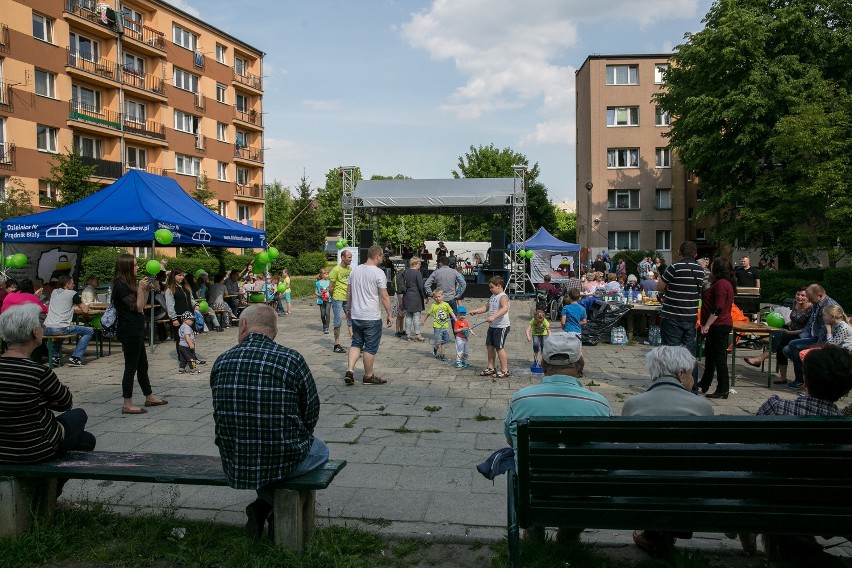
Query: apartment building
[130,84]
[632,191]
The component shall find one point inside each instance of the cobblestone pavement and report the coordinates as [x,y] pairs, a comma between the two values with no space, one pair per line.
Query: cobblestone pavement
[411,445]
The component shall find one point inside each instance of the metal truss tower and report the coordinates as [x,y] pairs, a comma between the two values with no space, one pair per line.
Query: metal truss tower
[517,271]
[348,200]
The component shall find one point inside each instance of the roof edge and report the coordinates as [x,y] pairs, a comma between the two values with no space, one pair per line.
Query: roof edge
[625,56]
[204,24]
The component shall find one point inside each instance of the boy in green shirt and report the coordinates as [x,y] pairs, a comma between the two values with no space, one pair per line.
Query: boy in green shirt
[538,328]
[442,315]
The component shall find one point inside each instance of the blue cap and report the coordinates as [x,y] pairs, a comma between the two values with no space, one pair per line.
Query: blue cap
[461,310]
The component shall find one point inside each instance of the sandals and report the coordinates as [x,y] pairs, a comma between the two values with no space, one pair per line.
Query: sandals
[487,372]
[502,374]
[751,363]
[349,378]
[373,380]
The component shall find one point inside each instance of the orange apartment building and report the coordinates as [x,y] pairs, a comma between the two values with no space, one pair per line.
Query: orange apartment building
[632,191]
[130,84]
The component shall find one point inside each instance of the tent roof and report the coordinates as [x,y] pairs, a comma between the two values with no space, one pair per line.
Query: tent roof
[128,212]
[450,196]
[542,240]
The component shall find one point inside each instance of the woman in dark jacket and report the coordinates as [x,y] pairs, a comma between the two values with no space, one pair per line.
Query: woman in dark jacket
[716,323]
[412,300]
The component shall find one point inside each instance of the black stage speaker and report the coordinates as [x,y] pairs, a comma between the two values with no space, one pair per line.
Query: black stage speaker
[498,249]
[365,241]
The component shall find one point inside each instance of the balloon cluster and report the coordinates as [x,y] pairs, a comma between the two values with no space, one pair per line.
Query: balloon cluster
[342,243]
[525,254]
[264,257]
[17,260]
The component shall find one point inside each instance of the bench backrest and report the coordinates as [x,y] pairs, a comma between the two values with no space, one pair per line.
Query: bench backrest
[697,473]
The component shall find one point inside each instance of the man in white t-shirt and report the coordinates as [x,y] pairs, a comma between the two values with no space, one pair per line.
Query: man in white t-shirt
[64,302]
[367,289]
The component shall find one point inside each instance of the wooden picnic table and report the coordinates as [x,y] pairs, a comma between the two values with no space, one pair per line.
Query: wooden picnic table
[750,328]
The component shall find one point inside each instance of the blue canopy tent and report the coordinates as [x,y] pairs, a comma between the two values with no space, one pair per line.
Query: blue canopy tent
[128,212]
[550,256]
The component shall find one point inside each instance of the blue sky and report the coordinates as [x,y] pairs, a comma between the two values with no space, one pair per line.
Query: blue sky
[405,87]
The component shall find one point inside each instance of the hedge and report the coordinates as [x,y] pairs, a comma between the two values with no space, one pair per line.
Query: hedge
[777,285]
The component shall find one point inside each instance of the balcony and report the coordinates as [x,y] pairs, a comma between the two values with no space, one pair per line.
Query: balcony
[97,17]
[100,67]
[200,143]
[144,82]
[4,39]
[7,156]
[248,154]
[89,114]
[251,117]
[140,127]
[248,80]
[106,169]
[252,192]
[5,97]
[200,101]
[150,169]
[150,38]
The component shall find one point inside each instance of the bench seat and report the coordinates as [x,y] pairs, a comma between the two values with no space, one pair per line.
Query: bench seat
[28,487]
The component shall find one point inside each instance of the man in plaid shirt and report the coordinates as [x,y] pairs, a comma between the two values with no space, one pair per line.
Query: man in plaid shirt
[265,407]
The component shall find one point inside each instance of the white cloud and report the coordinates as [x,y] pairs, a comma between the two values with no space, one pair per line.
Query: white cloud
[184,5]
[322,105]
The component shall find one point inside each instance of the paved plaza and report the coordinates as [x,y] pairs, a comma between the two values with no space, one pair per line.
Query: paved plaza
[411,445]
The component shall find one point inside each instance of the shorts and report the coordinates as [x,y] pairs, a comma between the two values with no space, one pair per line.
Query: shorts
[440,335]
[398,308]
[496,337]
[538,343]
[287,296]
[366,335]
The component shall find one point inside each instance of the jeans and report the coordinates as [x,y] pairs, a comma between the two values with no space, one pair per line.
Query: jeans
[317,455]
[412,323]
[135,363]
[76,438]
[339,309]
[716,358]
[680,333]
[792,352]
[84,332]
[780,340]
[324,309]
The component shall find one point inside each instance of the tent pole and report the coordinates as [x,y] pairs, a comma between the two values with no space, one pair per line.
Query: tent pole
[151,301]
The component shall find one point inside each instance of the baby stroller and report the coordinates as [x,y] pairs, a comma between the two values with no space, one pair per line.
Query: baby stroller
[605,316]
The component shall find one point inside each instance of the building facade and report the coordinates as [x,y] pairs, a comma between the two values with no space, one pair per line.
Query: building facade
[632,191]
[130,84]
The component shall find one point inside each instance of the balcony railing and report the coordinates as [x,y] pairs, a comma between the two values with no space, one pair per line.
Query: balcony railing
[5,96]
[246,153]
[251,116]
[90,10]
[103,168]
[144,34]
[87,113]
[149,169]
[151,129]
[252,81]
[130,76]
[101,66]
[200,143]
[7,156]
[255,191]
[4,39]
[200,101]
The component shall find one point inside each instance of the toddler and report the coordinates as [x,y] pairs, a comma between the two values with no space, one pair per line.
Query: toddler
[186,346]
[537,329]
[461,329]
[442,315]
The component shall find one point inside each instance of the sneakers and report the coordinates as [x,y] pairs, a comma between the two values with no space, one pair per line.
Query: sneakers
[325,330]
[442,357]
[339,349]
[435,351]
[75,362]
[349,378]
[55,361]
[201,361]
[795,385]
[182,370]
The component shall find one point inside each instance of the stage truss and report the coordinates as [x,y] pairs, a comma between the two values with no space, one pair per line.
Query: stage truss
[518,275]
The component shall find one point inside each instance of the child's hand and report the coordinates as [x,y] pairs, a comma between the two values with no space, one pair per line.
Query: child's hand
[529,339]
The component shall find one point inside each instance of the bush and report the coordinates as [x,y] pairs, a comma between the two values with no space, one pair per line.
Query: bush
[836,284]
[309,263]
[100,262]
[189,265]
[777,285]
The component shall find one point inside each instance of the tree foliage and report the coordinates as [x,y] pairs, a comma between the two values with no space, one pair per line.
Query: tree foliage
[69,176]
[17,201]
[565,228]
[279,210]
[203,194]
[762,114]
[331,208]
[303,234]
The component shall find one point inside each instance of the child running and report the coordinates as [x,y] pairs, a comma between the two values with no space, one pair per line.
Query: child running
[442,315]
[323,300]
[537,329]
[498,329]
[186,346]
[573,316]
[461,329]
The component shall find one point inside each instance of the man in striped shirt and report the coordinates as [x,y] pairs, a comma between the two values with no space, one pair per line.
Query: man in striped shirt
[680,288]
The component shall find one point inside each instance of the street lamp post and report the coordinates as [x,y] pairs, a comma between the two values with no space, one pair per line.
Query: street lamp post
[589,186]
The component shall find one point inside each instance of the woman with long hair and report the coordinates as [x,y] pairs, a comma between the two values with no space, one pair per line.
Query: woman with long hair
[716,324]
[179,299]
[129,298]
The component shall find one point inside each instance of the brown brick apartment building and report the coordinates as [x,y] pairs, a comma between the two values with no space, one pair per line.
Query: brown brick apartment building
[130,84]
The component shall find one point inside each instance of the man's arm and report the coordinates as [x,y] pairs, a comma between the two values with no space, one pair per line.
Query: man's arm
[461,280]
[383,294]
[427,286]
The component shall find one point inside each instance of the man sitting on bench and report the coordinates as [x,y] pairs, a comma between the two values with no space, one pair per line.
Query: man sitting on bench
[265,407]
[64,302]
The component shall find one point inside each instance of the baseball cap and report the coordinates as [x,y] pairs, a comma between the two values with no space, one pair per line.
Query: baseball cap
[461,310]
[187,315]
[561,349]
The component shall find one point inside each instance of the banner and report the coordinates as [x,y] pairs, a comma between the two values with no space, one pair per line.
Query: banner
[553,262]
[45,263]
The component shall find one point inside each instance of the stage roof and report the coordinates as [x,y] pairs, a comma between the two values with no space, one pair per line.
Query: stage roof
[445,196]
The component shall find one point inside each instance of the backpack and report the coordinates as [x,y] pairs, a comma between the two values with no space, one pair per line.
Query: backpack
[109,325]
[399,282]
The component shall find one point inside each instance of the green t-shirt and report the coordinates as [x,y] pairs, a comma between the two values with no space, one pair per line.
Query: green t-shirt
[440,315]
[339,276]
[536,329]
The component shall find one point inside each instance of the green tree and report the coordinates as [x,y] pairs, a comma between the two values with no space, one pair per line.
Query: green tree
[488,161]
[763,115]
[331,208]
[303,234]
[203,194]
[70,177]
[17,201]
[279,210]
[566,226]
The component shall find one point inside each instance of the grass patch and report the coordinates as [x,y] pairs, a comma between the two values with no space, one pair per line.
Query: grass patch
[380,522]
[549,554]
[592,383]
[482,418]
[404,430]
[432,431]
[407,546]
[302,286]
[352,422]
[432,408]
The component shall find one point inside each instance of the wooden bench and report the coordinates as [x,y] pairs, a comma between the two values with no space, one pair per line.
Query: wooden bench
[769,475]
[28,491]
[62,338]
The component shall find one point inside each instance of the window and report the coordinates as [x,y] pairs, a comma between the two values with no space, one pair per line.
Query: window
[88,147]
[46,138]
[133,19]
[700,234]
[240,66]
[143,252]
[134,64]
[623,199]
[86,99]
[187,165]
[662,117]
[46,193]
[664,198]
[185,80]
[664,240]
[242,103]
[622,74]
[2,189]
[242,139]
[186,122]
[42,28]
[659,72]
[184,38]
[243,213]
[221,51]
[622,116]
[242,176]
[220,93]
[222,171]
[664,158]
[136,158]
[623,240]
[622,158]
[45,84]
[221,132]
[134,112]
[84,48]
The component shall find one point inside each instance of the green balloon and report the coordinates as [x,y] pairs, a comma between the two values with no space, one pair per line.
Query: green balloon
[257,297]
[345,242]
[522,253]
[153,267]
[530,254]
[10,261]
[202,306]
[282,287]
[19,260]
[263,258]
[340,244]
[199,272]
[774,319]
[273,252]
[163,236]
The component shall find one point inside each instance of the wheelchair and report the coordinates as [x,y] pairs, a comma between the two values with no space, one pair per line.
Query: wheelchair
[550,303]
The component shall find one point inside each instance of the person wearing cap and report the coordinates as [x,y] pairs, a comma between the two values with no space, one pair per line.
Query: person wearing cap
[186,345]
[441,250]
[559,394]
[461,329]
